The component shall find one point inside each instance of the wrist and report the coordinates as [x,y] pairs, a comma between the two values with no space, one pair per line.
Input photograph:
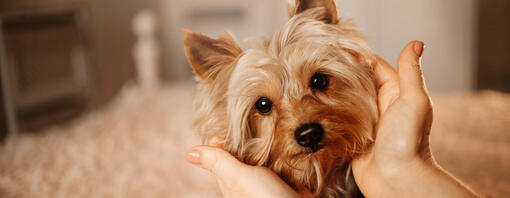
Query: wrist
[389,178]
[424,178]
[407,175]
[395,178]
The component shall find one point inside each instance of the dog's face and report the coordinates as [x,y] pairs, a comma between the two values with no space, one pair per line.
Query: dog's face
[302,104]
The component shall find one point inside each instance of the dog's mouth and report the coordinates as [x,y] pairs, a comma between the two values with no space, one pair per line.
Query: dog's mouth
[315,148]
[310,150]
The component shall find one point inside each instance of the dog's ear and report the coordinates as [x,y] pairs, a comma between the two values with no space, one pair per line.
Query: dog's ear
[298,6]
[207,56]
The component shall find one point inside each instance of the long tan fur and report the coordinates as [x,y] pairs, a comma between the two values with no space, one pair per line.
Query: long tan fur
[280,69]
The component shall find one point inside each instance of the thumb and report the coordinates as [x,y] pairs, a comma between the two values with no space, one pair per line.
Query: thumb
[409,69]
[217,161]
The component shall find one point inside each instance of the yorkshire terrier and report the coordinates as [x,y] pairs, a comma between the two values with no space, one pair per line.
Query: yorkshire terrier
[303,103]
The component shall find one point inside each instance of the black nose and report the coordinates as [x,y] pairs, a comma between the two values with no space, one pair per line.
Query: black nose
[309,135]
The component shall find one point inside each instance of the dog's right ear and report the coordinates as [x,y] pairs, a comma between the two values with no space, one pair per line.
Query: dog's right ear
[208,57]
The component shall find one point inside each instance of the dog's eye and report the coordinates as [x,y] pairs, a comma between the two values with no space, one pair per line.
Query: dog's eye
[319,81]
[264,105]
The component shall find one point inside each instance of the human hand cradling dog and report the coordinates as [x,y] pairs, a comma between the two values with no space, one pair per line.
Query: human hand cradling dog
[400,163]
[237,179]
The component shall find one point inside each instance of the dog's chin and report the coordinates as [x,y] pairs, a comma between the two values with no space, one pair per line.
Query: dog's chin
[307,170]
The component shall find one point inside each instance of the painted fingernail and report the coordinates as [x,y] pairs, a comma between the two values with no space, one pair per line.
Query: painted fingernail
[193,156]
[418,48]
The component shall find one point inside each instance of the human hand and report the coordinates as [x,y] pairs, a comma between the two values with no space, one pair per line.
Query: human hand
[237,179]
[400,163]
[405,118]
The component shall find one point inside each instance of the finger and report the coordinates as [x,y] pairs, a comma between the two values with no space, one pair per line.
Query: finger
[216,160]
[384,73]
[387,84]
[409,69]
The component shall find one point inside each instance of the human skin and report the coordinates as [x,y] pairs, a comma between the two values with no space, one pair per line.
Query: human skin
[399,164]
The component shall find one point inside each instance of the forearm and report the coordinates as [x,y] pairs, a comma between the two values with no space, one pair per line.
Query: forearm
[429,180]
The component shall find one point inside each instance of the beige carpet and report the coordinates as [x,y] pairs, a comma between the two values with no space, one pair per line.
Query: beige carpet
[135,147]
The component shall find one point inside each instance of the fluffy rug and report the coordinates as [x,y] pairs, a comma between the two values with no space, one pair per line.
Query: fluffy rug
[135,147]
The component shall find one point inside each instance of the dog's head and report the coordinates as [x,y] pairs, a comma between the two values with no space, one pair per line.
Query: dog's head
[301,104]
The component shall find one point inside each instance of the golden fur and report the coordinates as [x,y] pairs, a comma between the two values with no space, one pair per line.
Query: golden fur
[313,41]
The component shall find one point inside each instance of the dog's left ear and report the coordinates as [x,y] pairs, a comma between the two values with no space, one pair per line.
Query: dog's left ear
[330,16]
[208,57]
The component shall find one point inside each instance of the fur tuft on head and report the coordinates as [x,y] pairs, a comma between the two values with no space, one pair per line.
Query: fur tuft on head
[330,15]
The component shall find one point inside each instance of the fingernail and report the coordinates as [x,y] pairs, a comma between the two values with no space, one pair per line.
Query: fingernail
[193,156]
[418,48]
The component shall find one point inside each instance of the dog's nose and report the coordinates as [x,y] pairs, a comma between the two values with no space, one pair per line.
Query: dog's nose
[309,135]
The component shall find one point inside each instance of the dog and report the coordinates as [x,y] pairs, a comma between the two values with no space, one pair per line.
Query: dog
[303,103]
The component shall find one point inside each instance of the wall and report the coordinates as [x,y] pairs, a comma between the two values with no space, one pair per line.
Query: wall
[448,28]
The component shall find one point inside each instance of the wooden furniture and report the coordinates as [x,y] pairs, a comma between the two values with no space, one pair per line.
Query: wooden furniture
[45,63]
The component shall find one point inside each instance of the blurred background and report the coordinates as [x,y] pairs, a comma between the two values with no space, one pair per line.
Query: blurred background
[62,59]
